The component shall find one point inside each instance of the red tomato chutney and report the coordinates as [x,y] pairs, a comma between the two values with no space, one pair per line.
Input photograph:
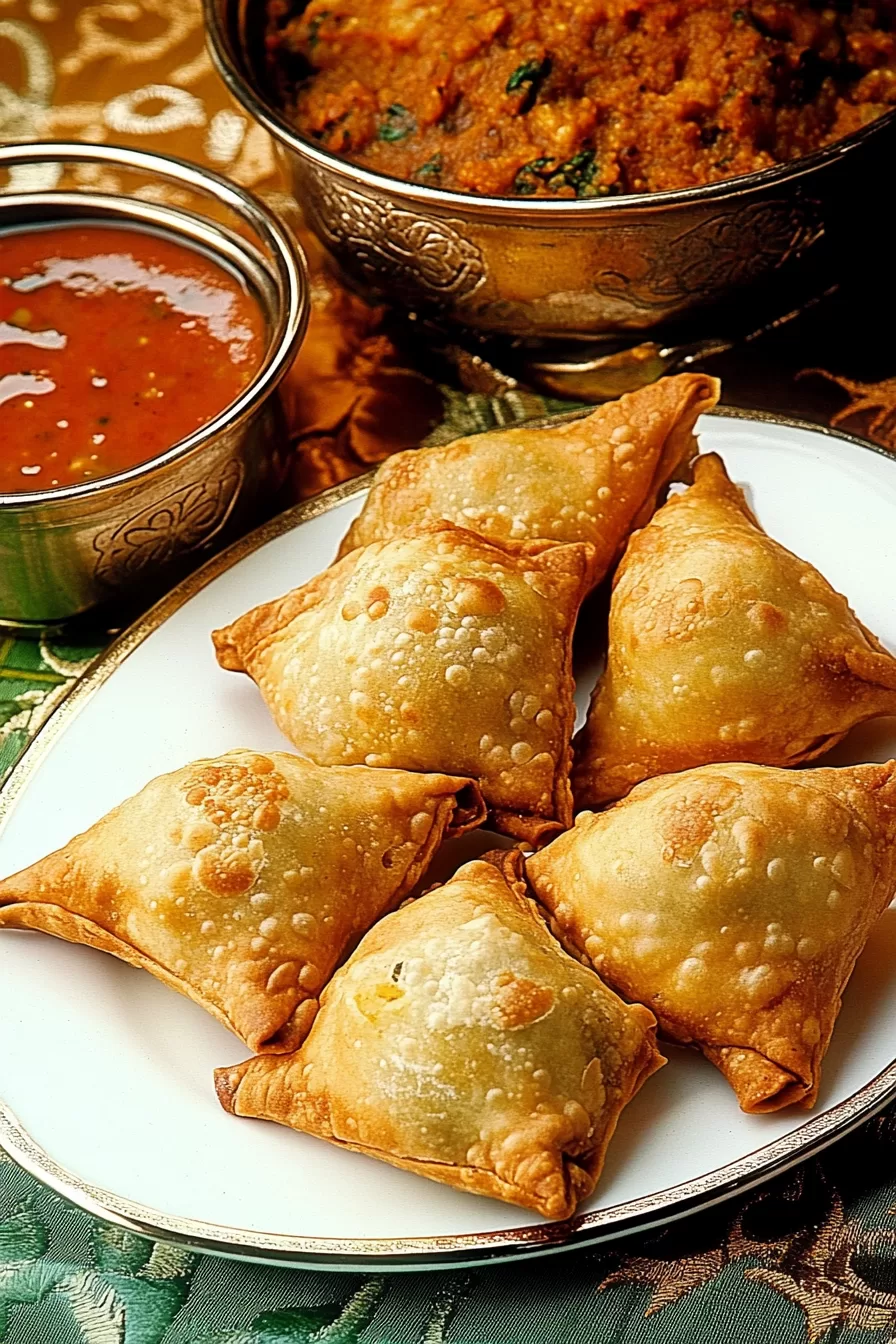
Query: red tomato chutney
[115,343]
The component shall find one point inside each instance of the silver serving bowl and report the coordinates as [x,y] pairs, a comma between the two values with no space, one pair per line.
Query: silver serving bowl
[552,269]
[67,549]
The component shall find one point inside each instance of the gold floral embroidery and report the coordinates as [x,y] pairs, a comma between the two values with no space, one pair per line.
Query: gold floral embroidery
[822,1279]
[876,401]
[668,1280]
[21,107]
[814,1264]
[124,32]
[134,71]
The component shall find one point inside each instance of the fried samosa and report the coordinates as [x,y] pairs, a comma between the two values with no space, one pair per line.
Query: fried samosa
[460,1042]
[242,881]
[593,479]
[437,647]
[732,900]
[723,646]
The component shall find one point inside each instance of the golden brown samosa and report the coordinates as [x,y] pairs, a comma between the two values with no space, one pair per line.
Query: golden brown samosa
[242,881]
[723,646]
[436,650]
[593,479]
[732,900]
[460,1042]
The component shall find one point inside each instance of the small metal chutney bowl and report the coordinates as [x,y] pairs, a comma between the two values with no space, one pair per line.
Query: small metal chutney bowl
[552,269]
[69,548]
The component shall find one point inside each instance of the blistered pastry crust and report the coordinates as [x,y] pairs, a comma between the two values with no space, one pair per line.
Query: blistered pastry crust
[242,881]
[723,646]
[593,479]
[460,1042]
[733,900]
[438,650]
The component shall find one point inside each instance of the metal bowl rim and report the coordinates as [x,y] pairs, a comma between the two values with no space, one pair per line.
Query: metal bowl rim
[529,209]
[289,317]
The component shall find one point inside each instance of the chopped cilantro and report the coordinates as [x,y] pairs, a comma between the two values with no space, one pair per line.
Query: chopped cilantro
[529,76]
[399,122]
[527,73]
[314,28]
[431,168]
[578,172]
[527,180]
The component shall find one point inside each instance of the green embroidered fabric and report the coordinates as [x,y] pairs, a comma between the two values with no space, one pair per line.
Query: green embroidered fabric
[811,1257]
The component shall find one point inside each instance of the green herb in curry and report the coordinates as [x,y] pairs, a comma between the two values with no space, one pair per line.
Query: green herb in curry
[577,172]
[531,176]
[399,122]
[431,168]
[529,77]
[314,28]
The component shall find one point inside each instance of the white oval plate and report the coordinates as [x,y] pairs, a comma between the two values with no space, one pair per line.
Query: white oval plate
[106,1076]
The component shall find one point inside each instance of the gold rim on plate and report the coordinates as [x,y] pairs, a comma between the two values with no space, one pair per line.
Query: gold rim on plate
[405,1253]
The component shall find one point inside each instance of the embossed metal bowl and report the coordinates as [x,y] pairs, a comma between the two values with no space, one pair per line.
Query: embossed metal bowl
[67,549]
[553,269]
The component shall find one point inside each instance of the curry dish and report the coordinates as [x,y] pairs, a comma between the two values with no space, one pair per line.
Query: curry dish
[580,97]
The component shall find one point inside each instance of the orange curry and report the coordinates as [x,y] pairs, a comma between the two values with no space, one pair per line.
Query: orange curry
[580,97]
[114,344]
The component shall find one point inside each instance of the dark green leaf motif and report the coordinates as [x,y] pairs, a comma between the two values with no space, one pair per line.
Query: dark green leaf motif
[334,1323]
[399,122]
[22,1237]
[130,1296]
